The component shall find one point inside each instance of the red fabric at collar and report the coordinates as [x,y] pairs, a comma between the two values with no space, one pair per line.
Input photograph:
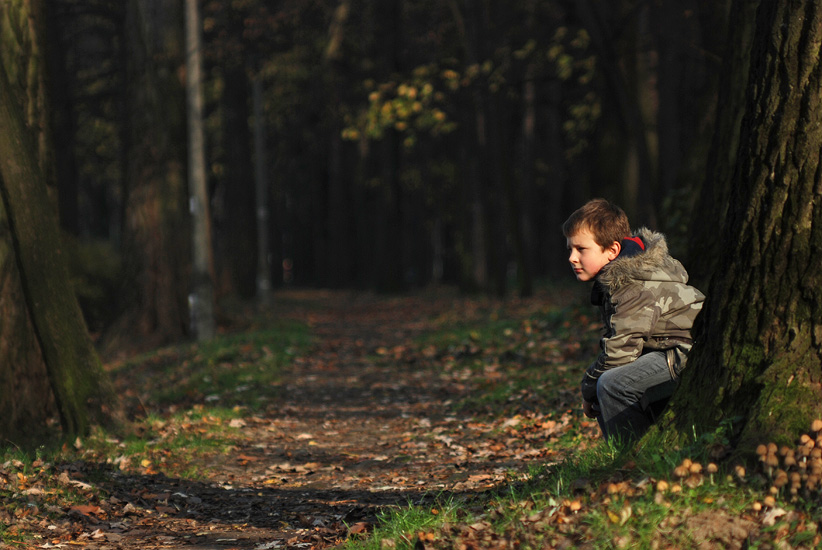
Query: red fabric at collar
[637,240]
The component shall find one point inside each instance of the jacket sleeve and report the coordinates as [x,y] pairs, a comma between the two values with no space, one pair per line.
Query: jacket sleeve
[633,314]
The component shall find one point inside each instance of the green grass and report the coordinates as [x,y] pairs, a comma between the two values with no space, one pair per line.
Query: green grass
[600,494]
[185,400]
[174,445]
[233,370]
[515,361]
[404,526]
[510,363]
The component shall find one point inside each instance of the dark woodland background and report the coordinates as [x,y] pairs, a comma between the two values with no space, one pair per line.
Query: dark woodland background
[385,145]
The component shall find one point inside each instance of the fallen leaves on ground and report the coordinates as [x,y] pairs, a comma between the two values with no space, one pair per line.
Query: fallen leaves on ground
[376,416]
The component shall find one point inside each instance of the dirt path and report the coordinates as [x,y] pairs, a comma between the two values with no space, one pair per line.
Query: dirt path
[364,424]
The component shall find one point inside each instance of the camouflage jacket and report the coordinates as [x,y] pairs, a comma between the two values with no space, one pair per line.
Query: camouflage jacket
[646,305]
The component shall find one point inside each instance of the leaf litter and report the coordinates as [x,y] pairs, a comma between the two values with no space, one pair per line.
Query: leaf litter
[377,415]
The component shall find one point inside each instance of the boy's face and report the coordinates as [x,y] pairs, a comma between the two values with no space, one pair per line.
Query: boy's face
[587,257]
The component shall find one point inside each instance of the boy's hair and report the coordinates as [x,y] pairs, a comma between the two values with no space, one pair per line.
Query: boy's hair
[606,221]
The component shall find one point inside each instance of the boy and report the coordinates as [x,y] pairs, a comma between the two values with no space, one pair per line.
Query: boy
[648,311]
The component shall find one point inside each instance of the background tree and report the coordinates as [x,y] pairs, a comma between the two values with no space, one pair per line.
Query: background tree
[408,142]
[156,229]
[201,297]
[712,202]
[37,296]
[757,364]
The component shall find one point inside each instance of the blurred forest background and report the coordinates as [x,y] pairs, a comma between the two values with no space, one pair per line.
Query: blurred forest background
[384,145]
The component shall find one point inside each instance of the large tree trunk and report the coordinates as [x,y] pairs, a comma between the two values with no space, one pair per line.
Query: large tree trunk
[758,359]
[156,218]
[27,400]
[237,237]
[64,126]
[45,324]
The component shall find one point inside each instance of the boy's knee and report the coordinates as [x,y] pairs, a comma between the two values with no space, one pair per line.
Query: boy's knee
[609,384]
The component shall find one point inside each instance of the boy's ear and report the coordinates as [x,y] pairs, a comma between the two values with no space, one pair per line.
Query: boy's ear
[613,250]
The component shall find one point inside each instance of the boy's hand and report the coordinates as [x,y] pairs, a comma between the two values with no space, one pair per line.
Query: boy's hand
[589,410]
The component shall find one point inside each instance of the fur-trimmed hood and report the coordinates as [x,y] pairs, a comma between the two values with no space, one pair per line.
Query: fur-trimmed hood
[654,264]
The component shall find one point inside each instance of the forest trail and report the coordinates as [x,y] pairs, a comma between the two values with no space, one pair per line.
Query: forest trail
[364,424]
[365,421]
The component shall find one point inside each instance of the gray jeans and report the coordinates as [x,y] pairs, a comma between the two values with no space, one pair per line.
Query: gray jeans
[627,394]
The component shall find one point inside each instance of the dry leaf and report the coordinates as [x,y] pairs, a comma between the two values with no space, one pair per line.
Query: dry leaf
[85,509]
[772,515]
[359,528]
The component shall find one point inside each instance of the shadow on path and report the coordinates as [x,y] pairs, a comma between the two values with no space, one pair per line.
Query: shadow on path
[363,422]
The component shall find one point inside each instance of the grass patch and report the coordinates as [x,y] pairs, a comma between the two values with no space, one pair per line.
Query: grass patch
[177,446]
[600,495]
[240,369]
[605,498]
[513,363]
[187,403]
[401,528]
[512,379]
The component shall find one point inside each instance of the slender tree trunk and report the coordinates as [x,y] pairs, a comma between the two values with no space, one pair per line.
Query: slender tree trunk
[557,183]
[339,208]
[201,299]
[527,197]
[671,26]
[486,192]
[261,196]
[63,123]
[389,249]
[757,363]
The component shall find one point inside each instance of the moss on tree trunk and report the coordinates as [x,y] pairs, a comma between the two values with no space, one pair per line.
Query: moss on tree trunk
[758,357]
[75,374]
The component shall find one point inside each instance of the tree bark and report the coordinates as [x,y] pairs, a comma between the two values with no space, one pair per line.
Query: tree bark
[389,246]
[27,400]
[340,265]
[236,196]
[64,127]
[76,376]
[157,229]
[757,363]
[201,298]
[263,210]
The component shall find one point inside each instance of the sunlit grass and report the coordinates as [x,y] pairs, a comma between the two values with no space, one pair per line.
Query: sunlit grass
[519,377]
[510,361]
[601,495]
[240,369]
[403,526]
